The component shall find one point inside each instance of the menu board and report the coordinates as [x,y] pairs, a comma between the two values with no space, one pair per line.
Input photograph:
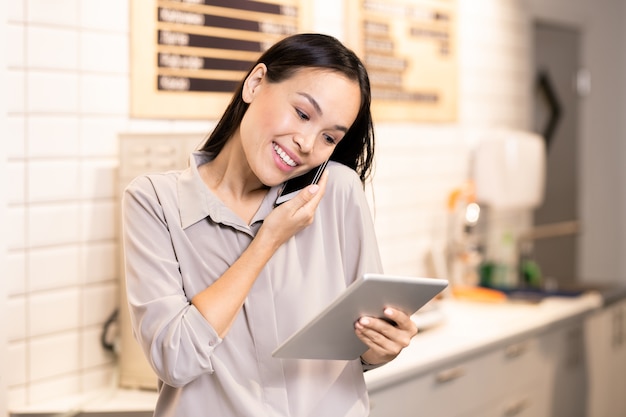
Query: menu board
[409,50]
[188,56]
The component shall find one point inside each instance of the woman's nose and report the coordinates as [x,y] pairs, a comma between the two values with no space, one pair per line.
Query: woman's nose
[305,142]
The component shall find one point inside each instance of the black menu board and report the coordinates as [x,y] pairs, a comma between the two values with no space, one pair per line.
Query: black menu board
[409,50]
[188,56]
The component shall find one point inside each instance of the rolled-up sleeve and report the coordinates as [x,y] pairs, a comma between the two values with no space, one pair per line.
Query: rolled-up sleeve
[175,337]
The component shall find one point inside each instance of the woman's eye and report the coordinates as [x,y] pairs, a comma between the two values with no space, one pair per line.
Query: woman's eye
[302,115]
[330,140]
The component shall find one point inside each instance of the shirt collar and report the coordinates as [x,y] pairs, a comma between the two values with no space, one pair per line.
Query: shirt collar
[197,202]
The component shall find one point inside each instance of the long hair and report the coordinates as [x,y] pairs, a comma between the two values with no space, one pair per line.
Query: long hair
[283,59]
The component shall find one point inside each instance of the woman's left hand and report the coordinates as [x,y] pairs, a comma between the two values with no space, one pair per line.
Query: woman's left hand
[384,339]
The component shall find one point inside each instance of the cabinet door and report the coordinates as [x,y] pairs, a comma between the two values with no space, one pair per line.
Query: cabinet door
[605,334]
[529,400]
[442,393]
[599,352]
[464,385]
[567,377]
[518,364]
[618,342]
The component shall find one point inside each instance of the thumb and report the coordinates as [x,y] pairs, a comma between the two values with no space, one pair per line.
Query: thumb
[305,195]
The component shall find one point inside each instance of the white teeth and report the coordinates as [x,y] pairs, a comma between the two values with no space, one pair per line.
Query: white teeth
[283,155]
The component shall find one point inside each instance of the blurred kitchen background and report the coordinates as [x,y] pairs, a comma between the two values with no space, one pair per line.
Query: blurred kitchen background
[65,88]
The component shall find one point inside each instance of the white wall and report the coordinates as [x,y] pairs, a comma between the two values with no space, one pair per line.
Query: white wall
[3,188]
[602,200]
[67,104]
[68,97]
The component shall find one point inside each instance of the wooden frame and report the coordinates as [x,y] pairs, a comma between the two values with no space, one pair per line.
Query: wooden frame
[187,57]
[410,50]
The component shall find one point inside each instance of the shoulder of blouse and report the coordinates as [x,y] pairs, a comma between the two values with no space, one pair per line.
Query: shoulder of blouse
[342,176]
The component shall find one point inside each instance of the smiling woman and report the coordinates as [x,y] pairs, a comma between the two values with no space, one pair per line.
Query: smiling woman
[218,276]
[289,116]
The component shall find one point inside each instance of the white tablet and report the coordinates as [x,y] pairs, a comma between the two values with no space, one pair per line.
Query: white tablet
[330,335]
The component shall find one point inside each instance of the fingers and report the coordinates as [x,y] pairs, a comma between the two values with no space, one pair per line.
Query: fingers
[310,196]
[384,339]
[402,320]
[294,215]
[390,323]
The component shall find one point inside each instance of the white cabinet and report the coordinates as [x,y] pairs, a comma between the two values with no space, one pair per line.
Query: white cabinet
[442,392]
[496,380]
[540,375]
[566,375]
[606,344]
[525,401]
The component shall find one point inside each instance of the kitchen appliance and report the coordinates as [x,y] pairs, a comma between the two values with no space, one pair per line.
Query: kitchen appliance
[509,171]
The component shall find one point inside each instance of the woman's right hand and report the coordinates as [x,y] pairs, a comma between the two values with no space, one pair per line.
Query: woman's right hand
[294,215]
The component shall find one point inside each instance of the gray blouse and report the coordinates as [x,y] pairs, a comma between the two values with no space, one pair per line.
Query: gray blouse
[179,238]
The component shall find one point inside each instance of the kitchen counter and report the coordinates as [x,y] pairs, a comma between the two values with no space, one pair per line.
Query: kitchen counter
[110,402]
[468,327]
[611,293]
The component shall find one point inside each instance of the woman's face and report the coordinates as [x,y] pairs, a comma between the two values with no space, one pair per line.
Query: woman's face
[293,126]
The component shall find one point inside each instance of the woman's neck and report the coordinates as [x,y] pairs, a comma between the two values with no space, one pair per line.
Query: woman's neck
[230,178]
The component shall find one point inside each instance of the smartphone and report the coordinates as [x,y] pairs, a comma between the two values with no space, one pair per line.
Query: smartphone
[294,185]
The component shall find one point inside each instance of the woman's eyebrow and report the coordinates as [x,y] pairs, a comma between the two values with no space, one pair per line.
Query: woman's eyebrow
[313,102]
[318,109]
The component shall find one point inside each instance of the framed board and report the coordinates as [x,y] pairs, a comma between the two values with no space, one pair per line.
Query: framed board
[188,56]
[409,49]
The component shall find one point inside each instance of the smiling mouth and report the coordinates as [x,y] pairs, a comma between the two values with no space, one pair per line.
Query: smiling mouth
[283,156]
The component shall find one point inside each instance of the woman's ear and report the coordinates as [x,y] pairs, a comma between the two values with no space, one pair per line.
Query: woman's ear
[253,82]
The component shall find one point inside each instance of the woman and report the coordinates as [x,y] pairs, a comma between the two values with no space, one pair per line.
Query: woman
[217,276]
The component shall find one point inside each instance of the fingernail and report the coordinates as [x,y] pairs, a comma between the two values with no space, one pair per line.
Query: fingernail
[313,188]
[364,321]
[388,312]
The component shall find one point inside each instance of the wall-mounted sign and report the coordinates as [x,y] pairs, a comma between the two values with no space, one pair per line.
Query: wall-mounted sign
[188,56]
[409,49]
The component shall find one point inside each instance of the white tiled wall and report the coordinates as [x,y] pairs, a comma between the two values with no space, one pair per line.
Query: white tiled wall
[68,89]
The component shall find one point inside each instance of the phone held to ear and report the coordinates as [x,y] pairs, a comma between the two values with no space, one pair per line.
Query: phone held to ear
[294,185]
